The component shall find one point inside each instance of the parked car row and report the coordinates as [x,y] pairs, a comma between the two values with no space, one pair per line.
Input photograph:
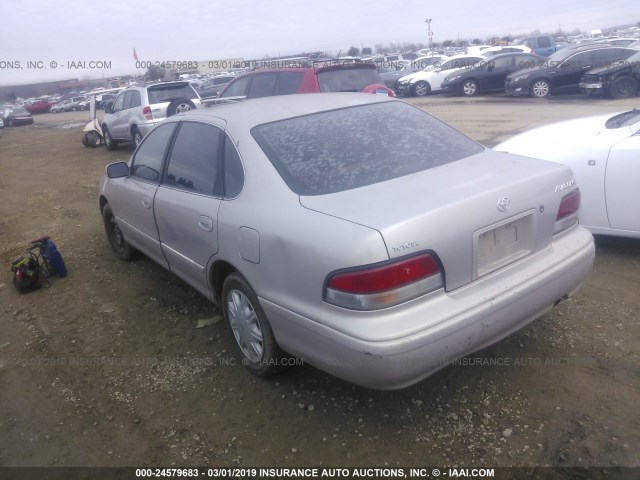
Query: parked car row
[13,116]
[132,114]
[596,68]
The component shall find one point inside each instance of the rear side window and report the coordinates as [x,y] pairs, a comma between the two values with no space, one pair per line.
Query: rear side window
[347,79]
[147,162]
[263,85]
[193,164]
[352,147]
[131,99]
[288,82]
[544,42]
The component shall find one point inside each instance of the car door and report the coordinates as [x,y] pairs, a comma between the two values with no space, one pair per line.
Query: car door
[118,118]
[495,73]
[187,202]
[621,185]
[131,198]
[570,71]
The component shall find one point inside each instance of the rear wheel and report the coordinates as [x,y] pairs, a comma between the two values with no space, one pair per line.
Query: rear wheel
[251,329]
[540,88]
[421,88]
[109,142]
[624,87]
[119,245]
[469,88]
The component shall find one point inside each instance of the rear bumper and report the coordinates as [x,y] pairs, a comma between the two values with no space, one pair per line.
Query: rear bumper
[455,323]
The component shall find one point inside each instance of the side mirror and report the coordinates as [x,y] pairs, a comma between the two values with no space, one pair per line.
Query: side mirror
[117,170]
[107,107]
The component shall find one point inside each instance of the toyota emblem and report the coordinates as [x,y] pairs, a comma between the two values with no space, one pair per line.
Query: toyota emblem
[504,204]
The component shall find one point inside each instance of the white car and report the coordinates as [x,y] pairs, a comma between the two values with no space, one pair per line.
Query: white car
[430,79]
[604,154]
[489,52]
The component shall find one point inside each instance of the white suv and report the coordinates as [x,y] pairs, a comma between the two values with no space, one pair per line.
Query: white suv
[136,110]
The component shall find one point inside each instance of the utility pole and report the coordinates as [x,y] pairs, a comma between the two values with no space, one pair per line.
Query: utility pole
[430,34]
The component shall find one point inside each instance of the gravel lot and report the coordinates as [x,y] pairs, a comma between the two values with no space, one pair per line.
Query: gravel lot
[109,366]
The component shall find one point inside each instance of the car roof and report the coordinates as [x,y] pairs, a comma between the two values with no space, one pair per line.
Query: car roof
[510,54]
[593,46]
[257,111]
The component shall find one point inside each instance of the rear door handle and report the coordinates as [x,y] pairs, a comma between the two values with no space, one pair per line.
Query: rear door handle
[205,223]
[146,202]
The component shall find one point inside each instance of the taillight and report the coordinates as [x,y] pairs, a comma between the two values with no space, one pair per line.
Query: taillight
[146,111]
[384,285]
[568,211]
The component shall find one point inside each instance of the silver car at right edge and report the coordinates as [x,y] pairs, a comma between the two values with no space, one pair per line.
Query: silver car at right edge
[356,232]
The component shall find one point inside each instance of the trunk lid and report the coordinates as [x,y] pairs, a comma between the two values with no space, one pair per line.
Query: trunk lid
[477,214]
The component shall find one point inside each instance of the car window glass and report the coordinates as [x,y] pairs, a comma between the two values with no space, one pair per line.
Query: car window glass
[233,172]
[347,79]
[263,85]
[288,82]
[169,92]
[502,62]
[135,98]
[147,162]
[544,42]
[193,164]
[127,100]
[117,106]
[221,80]
[239,88]
[579,60]
[343,149]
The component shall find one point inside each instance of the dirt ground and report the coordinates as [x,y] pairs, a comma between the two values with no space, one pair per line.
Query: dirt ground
[107,366]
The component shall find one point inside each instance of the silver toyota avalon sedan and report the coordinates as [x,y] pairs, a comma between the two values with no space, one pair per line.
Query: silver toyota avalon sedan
[354,231]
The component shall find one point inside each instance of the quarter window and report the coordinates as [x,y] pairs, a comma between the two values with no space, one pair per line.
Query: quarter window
[147,163]
[233,172]
[193,163]
[263,85]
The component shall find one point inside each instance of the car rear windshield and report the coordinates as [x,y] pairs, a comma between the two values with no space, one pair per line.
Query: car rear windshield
[168,93]
[347,79]
[343,149]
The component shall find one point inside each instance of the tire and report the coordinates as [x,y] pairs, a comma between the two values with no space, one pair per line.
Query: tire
[137,136]
[540,88]
[421,89]
[93,139]
[85,139]
[109,142]
[180,105]
[248,323]
[624,87]
[119,245]
[469,88]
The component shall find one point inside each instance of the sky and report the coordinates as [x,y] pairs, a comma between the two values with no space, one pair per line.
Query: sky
[43,40]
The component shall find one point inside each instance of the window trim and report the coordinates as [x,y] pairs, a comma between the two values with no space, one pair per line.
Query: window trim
[168,148]
[169,152]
